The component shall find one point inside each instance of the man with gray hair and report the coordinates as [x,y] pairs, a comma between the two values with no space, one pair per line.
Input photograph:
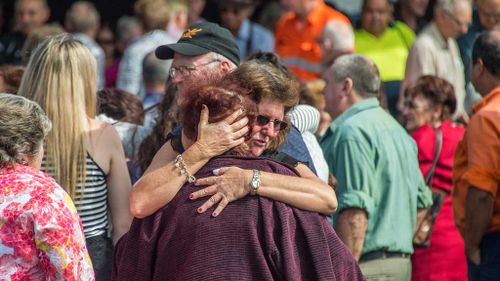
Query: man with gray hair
[435,51]
[154,74]
[337,38]
[83,20]
[375,163]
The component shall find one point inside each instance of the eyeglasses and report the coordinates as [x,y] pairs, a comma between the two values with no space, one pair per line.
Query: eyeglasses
[186,70]
[279,125]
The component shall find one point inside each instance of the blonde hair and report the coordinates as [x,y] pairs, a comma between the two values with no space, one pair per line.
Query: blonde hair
[154,14]
[61,78]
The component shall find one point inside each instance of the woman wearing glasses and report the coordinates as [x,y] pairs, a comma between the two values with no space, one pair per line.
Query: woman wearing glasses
[277,93]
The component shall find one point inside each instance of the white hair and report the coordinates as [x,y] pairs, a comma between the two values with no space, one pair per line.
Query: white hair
[340,34]
[449,5]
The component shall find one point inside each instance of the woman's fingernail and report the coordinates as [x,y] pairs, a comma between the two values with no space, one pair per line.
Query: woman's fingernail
[204,106]
[191,196]
[214,214]
[216,172]
[200,210]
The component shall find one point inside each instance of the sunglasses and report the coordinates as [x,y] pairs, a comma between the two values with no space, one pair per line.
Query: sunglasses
[264,120]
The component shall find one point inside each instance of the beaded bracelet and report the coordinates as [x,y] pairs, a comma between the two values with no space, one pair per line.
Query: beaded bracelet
[179,163]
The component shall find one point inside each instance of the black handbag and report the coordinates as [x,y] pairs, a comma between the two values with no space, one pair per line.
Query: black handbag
[422,235]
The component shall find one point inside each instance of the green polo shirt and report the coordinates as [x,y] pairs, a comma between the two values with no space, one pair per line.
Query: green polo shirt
[376,166]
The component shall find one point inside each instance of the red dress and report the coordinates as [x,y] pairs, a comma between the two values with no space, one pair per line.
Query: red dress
[445,258]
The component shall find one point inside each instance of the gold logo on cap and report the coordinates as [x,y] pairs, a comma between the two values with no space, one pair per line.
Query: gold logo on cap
[190,32]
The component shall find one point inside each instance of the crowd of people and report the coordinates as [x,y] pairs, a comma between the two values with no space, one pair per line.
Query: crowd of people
[304,144]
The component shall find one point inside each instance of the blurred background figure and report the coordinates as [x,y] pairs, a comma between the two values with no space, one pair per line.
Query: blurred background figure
[10,78]
[195,8]
[486,16]
[155,73]
[178,18]
[154,17]
[435,51]
[128,30]
[387,43]
[250,36]
[412,13]
[29,15]
[429,106]
[311,94]
[337,38]
[270,15]
[40,232]
[297,34]
[125,113]
[37,36]
[106,39]
[83,20]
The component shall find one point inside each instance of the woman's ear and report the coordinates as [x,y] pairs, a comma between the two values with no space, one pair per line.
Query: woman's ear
[437,112]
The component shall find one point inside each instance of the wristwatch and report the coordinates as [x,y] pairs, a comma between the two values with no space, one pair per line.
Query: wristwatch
[255,183]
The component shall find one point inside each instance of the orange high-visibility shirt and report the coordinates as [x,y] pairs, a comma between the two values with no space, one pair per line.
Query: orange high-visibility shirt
[296,40]
[477,159]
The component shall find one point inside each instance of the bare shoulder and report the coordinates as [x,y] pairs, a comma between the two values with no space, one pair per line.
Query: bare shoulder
[103,133]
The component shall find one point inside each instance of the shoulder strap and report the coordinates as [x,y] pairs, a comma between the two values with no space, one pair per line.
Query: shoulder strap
[437,151]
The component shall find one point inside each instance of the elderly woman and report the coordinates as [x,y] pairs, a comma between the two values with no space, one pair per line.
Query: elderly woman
[387,43]
[429,106]
[41,237]
[277,93]
[255,238]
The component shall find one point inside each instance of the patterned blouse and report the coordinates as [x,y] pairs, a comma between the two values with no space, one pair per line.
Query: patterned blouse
[41,235]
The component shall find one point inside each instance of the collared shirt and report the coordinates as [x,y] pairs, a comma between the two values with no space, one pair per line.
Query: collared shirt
[130,70]
[375,163]
[296,42]
[432,54]
[98,54]
[253,37]
[389,51]
[477,159]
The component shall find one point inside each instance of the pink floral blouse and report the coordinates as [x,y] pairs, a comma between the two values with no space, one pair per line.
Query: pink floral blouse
[41,236]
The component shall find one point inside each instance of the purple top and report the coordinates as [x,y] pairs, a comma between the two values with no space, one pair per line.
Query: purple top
[254,238]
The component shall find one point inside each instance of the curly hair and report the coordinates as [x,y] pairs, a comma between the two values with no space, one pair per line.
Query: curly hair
[23,126]
[269,79]
[438,91]
[12,75]
[120,105]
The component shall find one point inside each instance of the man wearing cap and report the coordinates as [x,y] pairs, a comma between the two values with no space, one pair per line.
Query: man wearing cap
[206,45]
[251,37]
[202,46]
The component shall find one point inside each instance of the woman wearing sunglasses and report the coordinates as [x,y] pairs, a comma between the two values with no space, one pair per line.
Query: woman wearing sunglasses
[276,92]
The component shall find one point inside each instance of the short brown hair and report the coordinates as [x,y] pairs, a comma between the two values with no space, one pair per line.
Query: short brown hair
[120,105]
[269,79]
